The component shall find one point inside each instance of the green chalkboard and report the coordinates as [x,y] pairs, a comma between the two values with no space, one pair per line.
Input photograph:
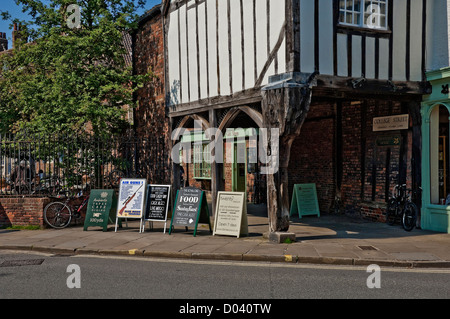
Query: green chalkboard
[101,209]
[191,208]
[304,200]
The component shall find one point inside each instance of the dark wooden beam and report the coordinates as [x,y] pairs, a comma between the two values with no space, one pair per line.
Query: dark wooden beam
[347,85]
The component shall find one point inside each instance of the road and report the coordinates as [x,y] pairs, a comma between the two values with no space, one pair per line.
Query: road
[45,276]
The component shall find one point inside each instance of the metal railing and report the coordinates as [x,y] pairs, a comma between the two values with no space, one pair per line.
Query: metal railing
[36,165]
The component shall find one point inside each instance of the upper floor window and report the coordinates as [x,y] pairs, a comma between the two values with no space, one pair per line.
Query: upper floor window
[364,13]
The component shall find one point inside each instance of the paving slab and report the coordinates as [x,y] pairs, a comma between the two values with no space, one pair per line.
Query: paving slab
[329,239]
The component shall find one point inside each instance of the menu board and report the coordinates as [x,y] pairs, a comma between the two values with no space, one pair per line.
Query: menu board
[157,202]
[231,214]
[191,208]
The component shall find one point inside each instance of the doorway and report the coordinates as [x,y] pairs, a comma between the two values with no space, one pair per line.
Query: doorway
[239,167]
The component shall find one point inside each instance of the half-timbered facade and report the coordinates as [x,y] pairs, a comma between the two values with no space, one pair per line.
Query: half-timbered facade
[323,72]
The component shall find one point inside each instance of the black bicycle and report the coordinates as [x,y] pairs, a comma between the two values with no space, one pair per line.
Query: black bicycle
[400,206]
[59,214]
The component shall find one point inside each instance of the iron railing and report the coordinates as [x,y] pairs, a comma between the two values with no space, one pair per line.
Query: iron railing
[38,165]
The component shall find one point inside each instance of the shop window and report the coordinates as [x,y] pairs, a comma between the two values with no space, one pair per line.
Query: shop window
[372,14]
[202,161]
[439,155]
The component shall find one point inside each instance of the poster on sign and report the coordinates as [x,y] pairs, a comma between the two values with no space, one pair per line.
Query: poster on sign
[131,199]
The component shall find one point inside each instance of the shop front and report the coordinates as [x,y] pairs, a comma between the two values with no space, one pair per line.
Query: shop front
[435,153]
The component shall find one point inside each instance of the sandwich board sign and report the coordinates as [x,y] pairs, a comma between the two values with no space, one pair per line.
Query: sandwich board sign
[231,214]
[304,200]
[191,209]
[158,197]
[131,199]
[101,209]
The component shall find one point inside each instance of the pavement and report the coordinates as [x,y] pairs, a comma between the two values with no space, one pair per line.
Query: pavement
[330,239]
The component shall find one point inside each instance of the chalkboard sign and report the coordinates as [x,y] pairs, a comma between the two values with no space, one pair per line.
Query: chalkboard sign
[191,208]
[131,199]
[231,214]
[304,200]
[158,197]
[101,209]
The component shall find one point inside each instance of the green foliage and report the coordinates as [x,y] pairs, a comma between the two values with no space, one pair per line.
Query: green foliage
[70,79]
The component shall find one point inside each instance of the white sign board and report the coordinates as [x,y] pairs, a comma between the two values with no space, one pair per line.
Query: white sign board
[131,198]
[231,214]
[391,123]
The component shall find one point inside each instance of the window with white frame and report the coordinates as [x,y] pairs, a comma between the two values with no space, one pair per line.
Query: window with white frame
[202,161]
[371,14]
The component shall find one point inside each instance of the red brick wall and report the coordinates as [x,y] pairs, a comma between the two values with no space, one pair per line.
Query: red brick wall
[22,211]
[312,154]
[369,170]
[150,120]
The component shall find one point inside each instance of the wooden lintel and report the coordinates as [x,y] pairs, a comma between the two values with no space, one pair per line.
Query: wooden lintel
[240,98]
[345,86]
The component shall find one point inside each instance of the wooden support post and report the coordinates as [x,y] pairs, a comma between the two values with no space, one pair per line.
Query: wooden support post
[285,107]
[215,169]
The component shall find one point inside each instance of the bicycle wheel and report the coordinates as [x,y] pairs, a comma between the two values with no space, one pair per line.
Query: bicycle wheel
[57,215]
[392,211]
[409,216]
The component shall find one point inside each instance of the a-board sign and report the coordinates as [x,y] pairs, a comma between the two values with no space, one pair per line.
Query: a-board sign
[158,198]
[304,200]
[101,209]
[191,209]
[231,214]
[131,199]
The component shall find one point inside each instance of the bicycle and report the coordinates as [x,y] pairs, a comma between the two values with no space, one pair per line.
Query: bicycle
[401,206]
[59,214]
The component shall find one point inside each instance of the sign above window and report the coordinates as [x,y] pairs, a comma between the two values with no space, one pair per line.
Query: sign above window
[372,14]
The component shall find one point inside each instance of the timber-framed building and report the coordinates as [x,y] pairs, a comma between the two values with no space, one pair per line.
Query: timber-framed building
[327,73]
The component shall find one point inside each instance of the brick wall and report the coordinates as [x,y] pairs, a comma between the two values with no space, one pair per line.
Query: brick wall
[312,154]
[3,42]
[150,120]
[359,160]
[22,211]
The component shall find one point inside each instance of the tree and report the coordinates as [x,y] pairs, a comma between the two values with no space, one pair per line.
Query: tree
[70,77]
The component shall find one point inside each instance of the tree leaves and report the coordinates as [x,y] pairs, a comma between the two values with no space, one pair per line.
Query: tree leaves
[70,80]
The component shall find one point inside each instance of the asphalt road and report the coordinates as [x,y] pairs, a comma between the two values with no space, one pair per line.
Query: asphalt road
[43,276]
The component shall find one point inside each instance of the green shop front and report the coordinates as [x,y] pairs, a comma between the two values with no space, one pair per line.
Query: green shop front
[435,153]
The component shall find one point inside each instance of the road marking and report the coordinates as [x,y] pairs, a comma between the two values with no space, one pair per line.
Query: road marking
[269,264]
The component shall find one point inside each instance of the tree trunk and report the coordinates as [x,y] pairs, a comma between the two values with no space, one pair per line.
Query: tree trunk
[285,107]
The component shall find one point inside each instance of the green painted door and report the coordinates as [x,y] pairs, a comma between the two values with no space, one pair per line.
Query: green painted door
[239,167]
